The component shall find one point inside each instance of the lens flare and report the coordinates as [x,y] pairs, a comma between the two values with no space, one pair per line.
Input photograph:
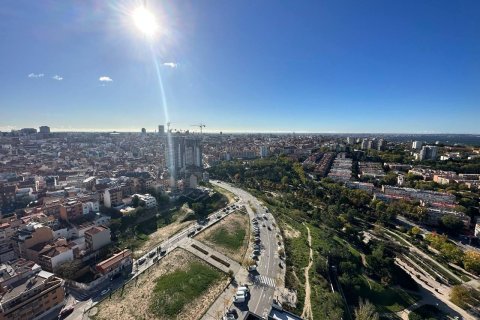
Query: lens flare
[145,21]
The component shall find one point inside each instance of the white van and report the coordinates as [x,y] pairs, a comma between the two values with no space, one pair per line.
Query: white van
[239,297]
[242,289]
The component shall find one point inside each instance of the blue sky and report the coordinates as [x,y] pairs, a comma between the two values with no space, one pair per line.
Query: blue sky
[304,66]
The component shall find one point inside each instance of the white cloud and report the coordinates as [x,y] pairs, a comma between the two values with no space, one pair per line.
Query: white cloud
[36,75]
[105,79]
[170,64]
[57,77]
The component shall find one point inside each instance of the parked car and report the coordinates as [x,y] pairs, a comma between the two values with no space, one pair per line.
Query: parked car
[65,312]
[104,292]
[141,260]
[252,268]
[243,289]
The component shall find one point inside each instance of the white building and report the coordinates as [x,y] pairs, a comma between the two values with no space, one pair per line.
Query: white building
[150,201]
[90,206]
[417,145]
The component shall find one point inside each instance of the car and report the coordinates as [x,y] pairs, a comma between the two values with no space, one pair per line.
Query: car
[254,257]
[252,268]
[163,252]
[265,216]
[219,216]
[256,252]
[104,292]
[191,234]
[257,240]
[151,254]
[243,288]
[269,228]
[141,260]
[280,265]
[233,312]
[229,316]
[263,225]
[65,312]
[199,228]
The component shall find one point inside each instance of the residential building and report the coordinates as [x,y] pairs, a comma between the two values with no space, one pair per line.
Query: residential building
[71,210]
[428,153]
[32,297]
[112,197]
[117,263]
[7,198]
[263,151]
[97,237]
[32,235]
[417,145]
[51,255]
[44,129]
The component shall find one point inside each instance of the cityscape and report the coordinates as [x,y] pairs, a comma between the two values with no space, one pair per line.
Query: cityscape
[164,190]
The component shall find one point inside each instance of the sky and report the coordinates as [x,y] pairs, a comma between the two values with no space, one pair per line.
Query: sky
[410,66]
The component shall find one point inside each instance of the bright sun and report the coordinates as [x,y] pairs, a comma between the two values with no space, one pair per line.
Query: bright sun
[145,21]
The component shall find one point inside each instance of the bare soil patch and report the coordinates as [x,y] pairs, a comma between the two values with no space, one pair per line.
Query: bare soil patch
[290,232]
[164,233]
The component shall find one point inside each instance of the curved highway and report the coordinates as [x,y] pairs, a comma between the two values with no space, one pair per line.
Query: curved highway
[268,266]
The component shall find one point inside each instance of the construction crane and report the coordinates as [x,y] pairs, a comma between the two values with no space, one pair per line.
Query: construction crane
[200,125]
[168,126]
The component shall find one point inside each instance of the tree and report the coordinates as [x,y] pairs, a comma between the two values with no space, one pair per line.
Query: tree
[135,201]
[69,269]
[464,296]
[366,311]
[451,222]
[199,209]
[415,231]
[390,179]
[471,261]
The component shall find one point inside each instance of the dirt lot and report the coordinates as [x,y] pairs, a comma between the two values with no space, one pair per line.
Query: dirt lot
[231,223]
[164,233]
[134,302]
[290,232]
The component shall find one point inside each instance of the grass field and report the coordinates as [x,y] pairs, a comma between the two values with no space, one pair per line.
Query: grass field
[232,240]
[229,236]
[386,299]
[174,290]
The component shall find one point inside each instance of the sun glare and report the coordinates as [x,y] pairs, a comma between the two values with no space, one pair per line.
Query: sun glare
[145,21]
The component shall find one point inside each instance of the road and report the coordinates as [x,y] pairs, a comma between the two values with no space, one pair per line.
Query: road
[264,280]
[138,266]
